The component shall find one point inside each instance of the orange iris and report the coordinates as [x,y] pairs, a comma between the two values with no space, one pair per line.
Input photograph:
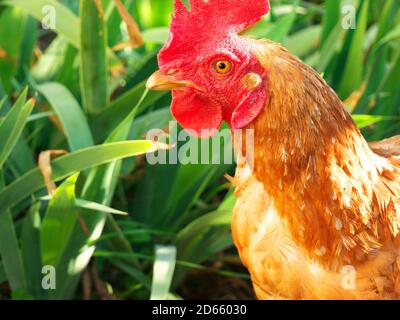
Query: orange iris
[223,66]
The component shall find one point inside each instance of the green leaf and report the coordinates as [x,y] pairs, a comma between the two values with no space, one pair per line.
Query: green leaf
[120,108]
[27,47]
[58,223]
[70,115]
[21,159]
[278,30]
[50,63]
[365,120]
[12,126]
[11,35]
[187,4]
[156,35]
[89,205]
[101,183]
[3,276]
[80,203]
[304,41]
[331,18]
[353,71]
[9,249]
[3,102]
[163,271]
[205,236]
[281,28]
[135,273]
[329,48]
[113,256]
[202,224]
[155,119]
[67,23]
[168,192]
[390,104]
[40,115]
[387,17]
[99,187]
[31,253]
[108,174]
[10,253]
[93,58]
[64,166]
[390,36]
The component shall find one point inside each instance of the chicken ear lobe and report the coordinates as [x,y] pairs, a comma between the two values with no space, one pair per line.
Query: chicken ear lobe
[249,108]
[198,115]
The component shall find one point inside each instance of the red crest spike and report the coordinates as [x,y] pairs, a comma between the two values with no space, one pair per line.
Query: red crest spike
[208,20]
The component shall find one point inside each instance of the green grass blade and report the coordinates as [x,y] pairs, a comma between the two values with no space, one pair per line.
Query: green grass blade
[390,36]
[202,224]
[58,223]
[11,37]
[155,35]
[329,49]
[135,273]
[304,41]
[7,145]
[278,30]
[168,192]
[186,3]
[57,231]
[204,236]
[163,271]
[40,115]
[70,114]
[9,249]
[365,120]
[331,18]
[93,58]
[12,126]
[386,17]
[3,276]
[99,187]
[67,23]
[3,102]
[119,109]
[21,160]
[31,254]
[106,178]
[121,255]
[69,164]
[10,253]
[90,205]
[281,28]
[390,85]
[27,47]
[353,71]
[93,206]
[49,64]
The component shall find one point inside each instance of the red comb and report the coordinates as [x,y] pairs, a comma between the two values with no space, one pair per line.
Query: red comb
[207,20]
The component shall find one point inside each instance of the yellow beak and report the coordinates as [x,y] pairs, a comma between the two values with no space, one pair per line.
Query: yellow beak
[160,81]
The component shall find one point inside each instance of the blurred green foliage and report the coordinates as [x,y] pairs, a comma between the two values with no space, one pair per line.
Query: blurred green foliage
[91,100]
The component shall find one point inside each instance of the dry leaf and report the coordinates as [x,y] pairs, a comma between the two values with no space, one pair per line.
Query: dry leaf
[133,29]
[46,170]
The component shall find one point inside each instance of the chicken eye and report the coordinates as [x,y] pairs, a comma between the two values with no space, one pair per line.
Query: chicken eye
[222,66]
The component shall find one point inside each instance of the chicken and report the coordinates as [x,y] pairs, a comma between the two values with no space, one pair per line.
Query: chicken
[318,213]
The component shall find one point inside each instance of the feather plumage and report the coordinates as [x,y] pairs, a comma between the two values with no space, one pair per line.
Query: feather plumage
[321,199]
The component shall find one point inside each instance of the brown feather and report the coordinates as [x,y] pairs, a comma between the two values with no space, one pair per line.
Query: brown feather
[319,198]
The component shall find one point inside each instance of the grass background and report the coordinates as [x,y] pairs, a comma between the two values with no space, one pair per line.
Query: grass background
[116,227]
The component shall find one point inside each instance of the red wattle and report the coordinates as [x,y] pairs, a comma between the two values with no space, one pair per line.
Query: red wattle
[196,114]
